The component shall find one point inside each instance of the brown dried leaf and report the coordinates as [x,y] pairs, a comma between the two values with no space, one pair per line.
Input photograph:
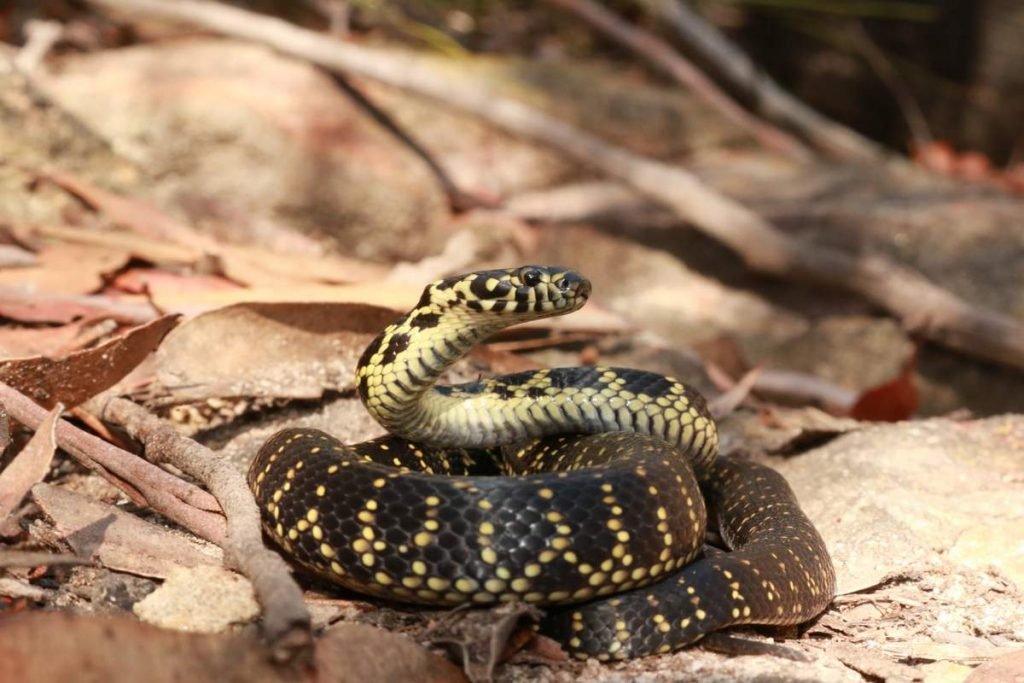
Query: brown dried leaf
[241,263]
[154,282]
[268,350]
[482,639]
[42,341]
[30,466]
[785,430]
[81,375]
[121,650]
[121,541]
[63,268]
[35,307]
[263,267]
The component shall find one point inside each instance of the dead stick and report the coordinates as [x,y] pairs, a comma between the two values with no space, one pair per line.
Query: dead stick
[142,481]
[661,55]
[18,558]
[286,621]
[769,99]
[932,311]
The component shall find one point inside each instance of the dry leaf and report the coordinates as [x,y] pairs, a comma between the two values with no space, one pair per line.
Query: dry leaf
[30,466]
[36,307]
[43,341]
[122,650]
[64,268]
[891,401]
[121,541]
[268,350]
[81,375]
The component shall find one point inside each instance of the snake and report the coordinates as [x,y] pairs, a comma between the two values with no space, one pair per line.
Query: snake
[587,491]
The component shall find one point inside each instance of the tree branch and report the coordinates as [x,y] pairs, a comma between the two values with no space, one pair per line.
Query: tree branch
[660,54]
[766,96]
[286,621]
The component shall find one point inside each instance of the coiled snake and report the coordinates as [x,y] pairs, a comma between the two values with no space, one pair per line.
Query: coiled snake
[602,520]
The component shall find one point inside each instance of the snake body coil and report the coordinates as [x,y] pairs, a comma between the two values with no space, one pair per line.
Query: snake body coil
[602,520]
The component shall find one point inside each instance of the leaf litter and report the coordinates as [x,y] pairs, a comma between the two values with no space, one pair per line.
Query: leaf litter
[314,323]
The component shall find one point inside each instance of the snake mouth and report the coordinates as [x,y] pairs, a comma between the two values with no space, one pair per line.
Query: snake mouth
[574,288]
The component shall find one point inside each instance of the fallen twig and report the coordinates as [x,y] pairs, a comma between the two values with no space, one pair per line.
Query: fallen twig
[663,56]
[286,621]
[767,98]
[458,200]
[143,482]
[10,559]
[924,307]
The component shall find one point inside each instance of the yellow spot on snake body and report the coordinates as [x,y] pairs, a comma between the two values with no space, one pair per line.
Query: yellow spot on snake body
[464,585]
[546,556]
[367,559]
[486,528]
[520,585]
[489,556]
[432,500]
[422,539]
[437,583]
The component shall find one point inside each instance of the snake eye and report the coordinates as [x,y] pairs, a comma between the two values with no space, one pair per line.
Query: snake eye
[530,278]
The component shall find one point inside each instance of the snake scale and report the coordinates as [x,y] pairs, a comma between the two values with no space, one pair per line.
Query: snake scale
[610,476]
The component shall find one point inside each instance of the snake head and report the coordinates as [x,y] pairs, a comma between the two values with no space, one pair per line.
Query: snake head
[516,294]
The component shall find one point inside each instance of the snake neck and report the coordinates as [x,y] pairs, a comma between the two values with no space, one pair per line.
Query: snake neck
[396,374]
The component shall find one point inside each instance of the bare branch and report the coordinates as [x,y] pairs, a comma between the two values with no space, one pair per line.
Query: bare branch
[143,482]
[767,97]
[286,621]
[660,54]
